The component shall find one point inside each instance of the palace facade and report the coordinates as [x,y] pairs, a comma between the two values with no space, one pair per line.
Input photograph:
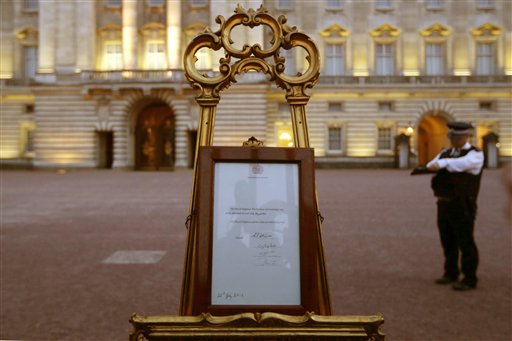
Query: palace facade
[100,83]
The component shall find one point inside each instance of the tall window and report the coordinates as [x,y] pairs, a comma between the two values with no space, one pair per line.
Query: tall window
[334,59]
[384,138]
[334,143]
[113,56]
[485,58]
[155,56]
[30,61]
[384,59]
[434,59]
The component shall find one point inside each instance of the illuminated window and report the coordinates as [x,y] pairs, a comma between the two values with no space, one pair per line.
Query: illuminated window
[113,56]
[434,59]
[384,138]
[334,59]
[284,134]
[334,139]
[30,61]
[31,5]
[485,58]
[384,59]
[334,5]
[155,56]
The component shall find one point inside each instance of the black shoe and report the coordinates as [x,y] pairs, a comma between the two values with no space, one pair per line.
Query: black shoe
[446,280]
[463,286]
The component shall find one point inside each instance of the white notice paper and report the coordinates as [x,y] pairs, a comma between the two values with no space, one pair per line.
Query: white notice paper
[256,255]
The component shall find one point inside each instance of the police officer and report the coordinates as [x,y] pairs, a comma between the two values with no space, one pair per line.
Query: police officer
[456,186]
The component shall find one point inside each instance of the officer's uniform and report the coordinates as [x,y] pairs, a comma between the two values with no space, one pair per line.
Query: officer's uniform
[456,187]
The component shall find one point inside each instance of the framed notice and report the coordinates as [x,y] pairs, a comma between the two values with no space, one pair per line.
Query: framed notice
[256,230]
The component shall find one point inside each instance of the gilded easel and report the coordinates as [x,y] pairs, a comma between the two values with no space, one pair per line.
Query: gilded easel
[250,58]
[317,325]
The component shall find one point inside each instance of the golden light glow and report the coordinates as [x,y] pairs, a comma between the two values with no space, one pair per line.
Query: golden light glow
[284,134]
[411,72]
[508,72]
[5,75]
[360,73]
[462,72]
[409,130]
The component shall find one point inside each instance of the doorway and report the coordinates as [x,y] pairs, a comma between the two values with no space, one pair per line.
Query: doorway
[432,137]
[154,138]
[105,149]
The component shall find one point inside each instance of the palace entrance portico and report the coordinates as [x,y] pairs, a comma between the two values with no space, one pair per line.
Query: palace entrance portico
[432,136]
[155,138]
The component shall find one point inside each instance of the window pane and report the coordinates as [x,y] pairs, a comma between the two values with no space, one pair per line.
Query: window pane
[155,56]
[334,59]
[434,59]
[384,138]
[384,59]
[485,59]
[334,138]
[113,56]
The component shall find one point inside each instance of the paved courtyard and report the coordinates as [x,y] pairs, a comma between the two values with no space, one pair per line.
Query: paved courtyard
[69,270]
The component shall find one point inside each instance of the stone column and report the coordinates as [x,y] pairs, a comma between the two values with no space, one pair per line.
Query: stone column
[47,22]
[65,37]
[85,35]
[174,34]
[130,34]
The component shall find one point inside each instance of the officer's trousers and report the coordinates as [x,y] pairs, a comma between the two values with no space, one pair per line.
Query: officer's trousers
[455,220]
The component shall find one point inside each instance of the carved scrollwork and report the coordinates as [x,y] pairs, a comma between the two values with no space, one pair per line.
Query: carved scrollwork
[253,57]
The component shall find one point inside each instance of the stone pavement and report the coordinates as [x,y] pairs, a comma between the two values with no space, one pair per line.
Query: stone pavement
[69,270]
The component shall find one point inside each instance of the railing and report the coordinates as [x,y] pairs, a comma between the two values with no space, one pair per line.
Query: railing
[370,80]
[177,76]
[174,76]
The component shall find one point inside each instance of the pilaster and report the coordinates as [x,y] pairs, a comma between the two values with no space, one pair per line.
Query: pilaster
[130,34]
[47,22]
[85,35]
[174,34]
